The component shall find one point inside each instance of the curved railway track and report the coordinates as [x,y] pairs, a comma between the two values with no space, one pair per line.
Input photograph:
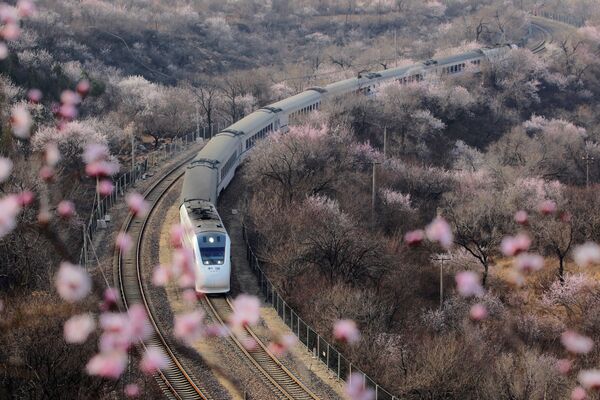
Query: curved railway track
[278,378]
[175,381]
[547,38]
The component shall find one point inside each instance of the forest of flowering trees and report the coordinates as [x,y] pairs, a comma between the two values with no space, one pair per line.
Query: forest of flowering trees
[494,172]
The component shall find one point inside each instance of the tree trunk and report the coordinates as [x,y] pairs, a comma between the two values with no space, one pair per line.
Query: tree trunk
[485,274]
[561,269]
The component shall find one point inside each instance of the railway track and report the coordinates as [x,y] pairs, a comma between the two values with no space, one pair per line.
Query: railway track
[175,381]
[540,47]
[277,377]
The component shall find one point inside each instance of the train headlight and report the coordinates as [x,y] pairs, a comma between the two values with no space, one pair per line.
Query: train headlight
[211,240]
[205,262]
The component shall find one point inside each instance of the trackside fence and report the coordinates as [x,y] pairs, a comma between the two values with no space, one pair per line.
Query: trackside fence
[567,19]
[99,217]
[337,364]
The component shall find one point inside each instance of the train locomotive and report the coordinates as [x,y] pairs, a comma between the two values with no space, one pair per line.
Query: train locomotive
[214,166]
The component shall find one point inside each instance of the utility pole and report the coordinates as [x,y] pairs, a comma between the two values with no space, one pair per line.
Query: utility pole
[441,258]
[587,160]
[197,121]
[133,155]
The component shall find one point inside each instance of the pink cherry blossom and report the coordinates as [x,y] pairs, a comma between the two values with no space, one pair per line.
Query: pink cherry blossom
[564,366]
[414,238]
[467,284]
[132,390]
[216,330]
[547,207]
[282,344]
[137,205]
[110,297]
[94,152]
[78,328]
[51,154]
[478,312]
[44,217]
[110,342]
[25,198]
[587,254]
[190,296]
[246,311]
[83,88]
[346,331]
[249,343]
[47,173]
[356,389]
[189,327]
[576,343]
[177,234]
[68,111]
[139,324]
[21,121]
[528,262]
[35,95]
[521,217]
[124,242]
[105,187]
[8,14]
[116,323]
[72,282]
[183,267]
[26,8]
[65,209]
[153,360]
[589,379]
[10,32]
[161,275]
[439,231]
[101,169]
[6,167]
[107,365]
[578,393]
[10,207]
[69,97]
[511,246]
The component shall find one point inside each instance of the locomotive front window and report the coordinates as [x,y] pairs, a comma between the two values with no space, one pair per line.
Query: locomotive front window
[212,248]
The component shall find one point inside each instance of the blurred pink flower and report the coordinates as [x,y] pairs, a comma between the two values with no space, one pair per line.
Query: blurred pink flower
[189,327]
[25,198]
[105,187]
[246,311]
[132,390]
[101,168]
[9,209]
[564,366]
[10,32]
[467,284]
[35,95]
[177,234]
[73,283]
[576,343]
[161,275]
[3,51]
[20,121]
[65,209]
[589,378]
[587,254]
[346,331]
[139,324]
[578,393]
[190,296]
[183,267]
[95,152]
[117,332]
[478,312]
[46,173]
[439,231]
[83,88]
[547,207]
[356,389]
[521,217]
[282,343]
[414,238]
[216,330]
[68,111]
[528,262]
[137,205]
[249,343]
[6,167]
[26,8]
[51,154]
[153,360]
[70,97]
[512,245]
[110,342]
[8,14]
[107,365]
[78,328]
[124,242]
[110,299]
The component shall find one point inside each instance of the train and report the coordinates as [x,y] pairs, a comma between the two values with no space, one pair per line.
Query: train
[213,168]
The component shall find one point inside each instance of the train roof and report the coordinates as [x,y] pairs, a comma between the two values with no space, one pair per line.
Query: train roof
[218,148]
[459,57]
[298,101]
[251,123]
[345,86]
[203,215]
